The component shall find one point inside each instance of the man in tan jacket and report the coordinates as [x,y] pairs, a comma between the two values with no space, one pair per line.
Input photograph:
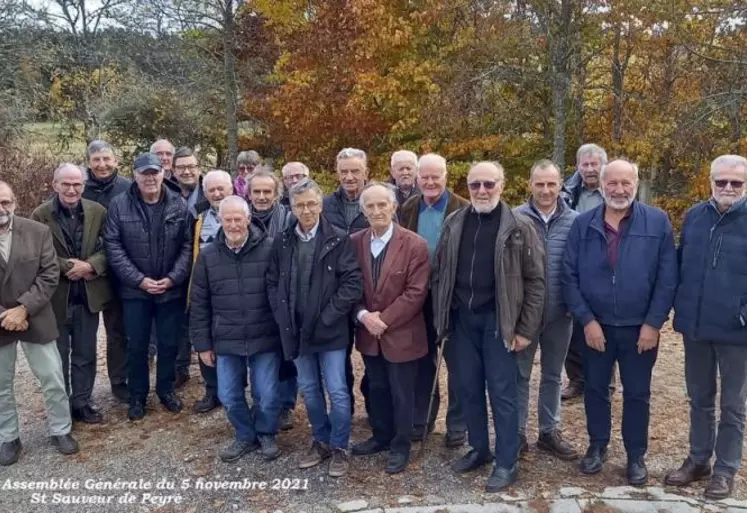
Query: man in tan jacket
[29,274]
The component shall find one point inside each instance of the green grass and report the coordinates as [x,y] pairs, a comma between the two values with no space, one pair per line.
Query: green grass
[45,138]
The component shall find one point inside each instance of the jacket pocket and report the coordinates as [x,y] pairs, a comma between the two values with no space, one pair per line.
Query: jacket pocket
[513,252]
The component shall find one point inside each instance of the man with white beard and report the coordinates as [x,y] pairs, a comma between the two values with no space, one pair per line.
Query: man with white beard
[620,277]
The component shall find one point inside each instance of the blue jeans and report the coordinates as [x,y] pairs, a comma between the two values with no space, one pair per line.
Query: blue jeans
[553,343]
[287,393]
[705,365]
[139,315]
[621,346]
[263,368]
[478,357]
[332,429]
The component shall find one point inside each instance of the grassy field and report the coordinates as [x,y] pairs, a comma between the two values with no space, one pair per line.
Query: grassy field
[45,138]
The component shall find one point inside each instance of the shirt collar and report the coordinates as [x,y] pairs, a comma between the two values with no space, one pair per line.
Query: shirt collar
[384,238]
[439,205]
[236,250]
[306,237]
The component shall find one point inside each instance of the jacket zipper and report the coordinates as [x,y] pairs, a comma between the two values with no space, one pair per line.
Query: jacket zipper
[472,264]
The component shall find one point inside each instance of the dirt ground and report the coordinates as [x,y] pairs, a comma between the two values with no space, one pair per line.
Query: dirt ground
[182,447]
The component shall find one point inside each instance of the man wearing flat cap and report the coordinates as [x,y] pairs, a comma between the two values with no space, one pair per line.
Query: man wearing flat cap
[148,247]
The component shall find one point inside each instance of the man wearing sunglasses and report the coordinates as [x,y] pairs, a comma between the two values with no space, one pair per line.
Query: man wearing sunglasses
[710,310]
[620,276]
[488,288]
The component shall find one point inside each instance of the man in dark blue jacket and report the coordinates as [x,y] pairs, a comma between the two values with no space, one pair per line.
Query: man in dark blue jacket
[711,313]
[148,247]
[620,277]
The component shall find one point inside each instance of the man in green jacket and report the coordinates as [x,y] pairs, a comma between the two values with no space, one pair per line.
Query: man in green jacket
[83,291]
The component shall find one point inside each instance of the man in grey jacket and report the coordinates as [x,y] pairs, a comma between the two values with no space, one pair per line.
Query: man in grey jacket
[552,218]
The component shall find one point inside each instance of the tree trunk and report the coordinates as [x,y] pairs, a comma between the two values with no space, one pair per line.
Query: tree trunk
[230,87]
[617,88]
[559,43]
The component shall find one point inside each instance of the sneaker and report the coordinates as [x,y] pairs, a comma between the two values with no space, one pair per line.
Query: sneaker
[268,447]
[286,419]
[317,453]
[338,467]
[237,449]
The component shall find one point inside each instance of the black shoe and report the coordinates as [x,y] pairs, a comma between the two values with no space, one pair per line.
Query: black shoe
[172,403]
[554,443]
[181,379]
[286,419]
[719,488]
[87,415]
[593,460]
[10,451]
[268,447]
[397,462]
[236,450]
[66,444]
[471,461]
[523,445]
[637,472]
[206,404]
[120,392]
[136,410]
[688,472]
[455,439]
[501,478]
[417,434]
[370,446]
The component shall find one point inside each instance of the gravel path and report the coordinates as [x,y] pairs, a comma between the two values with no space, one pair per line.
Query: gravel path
[168,458]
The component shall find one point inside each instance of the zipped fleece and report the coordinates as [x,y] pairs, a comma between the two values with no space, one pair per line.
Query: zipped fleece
[519,275]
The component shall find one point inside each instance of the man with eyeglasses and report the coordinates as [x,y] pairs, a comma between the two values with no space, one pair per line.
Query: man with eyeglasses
[488,288]
[424,213]
[313,283]
[77,227]
[710,310]
[246,163]
[619,280]
[29,273]
[292,172]
[165,152]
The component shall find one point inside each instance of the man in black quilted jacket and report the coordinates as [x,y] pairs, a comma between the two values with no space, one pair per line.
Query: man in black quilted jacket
[149,248]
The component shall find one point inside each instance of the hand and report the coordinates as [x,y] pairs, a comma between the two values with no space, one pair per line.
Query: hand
[150,286]
[208,358]
[594,336]
[373,323]
[15,319]
[164,285]
[648,338]
[80,269]
[519,343]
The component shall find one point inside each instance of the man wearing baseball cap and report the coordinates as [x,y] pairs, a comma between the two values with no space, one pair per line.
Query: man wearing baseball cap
[148,247]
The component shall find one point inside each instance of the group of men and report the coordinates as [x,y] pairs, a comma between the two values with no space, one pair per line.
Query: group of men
[273,286]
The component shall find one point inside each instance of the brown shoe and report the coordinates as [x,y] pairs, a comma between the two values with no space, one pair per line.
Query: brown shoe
[687,473]
[719,488]
[554,444]
[572,390]
[318,452]
[338,467]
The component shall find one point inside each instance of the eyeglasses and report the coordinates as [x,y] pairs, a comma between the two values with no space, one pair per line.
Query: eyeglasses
[488,184]
[66,185]
[735,184]
[164,154]
[6,204]
[190,167]
[246,168]
[311,205]
[295,177]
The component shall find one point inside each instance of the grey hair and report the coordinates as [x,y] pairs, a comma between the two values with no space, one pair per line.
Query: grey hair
[497,165]
[626,161]
[390,189]
[267,173]
[544,164]
[305,185]
[728,161]
[593,150]
[229,201]
[290,165]
[216,174]
[435,157]
[352,153]
[153,146]
[98,146]
[403,155]
[65,165]
[248,157]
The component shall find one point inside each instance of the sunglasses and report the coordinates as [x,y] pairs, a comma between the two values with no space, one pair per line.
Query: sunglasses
[735,184]
[488,184]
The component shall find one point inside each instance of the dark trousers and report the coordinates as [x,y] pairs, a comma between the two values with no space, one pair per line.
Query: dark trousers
[210,376]
[169,320]
[350,376]
[184,355]
[77,347]
[479,357]
[574,368]
[392,395]
[635,373]
[426,373]
[116,343]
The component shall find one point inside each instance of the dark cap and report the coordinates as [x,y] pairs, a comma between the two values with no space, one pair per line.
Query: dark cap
[146,161]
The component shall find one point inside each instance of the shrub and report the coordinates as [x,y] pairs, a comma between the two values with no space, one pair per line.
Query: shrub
[29,174]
